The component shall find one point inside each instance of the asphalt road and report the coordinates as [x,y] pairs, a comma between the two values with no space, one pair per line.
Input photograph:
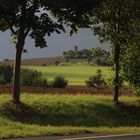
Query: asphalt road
[89,137]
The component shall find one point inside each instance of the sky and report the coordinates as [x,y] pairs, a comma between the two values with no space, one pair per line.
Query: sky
[57,44]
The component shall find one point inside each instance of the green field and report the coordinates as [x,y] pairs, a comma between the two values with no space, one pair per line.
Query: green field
[76,74]
[67,114]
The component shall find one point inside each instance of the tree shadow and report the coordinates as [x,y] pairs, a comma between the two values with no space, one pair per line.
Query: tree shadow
[90,115]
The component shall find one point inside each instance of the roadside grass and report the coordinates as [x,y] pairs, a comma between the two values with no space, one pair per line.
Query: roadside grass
[76,74]
[67,114]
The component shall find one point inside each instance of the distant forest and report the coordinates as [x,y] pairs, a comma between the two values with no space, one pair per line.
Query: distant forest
[94,55]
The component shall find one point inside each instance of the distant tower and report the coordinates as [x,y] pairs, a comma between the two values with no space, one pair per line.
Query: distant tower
[76,49]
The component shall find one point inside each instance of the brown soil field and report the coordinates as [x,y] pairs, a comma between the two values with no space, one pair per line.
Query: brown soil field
[69,90]
[46,61]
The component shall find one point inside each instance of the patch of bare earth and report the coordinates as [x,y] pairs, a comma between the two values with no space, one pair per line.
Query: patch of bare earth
[69,90]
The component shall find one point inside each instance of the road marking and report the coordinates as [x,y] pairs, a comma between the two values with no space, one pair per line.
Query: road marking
[97,137]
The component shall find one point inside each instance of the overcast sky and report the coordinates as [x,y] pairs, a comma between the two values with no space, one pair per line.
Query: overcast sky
[56,44]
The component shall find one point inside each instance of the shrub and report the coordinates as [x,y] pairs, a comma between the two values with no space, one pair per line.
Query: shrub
[103,61]
[2,80]
[59,82]
[57,63]
[96,81]
[32,78]
[44,65]
[6,74]
[136,91]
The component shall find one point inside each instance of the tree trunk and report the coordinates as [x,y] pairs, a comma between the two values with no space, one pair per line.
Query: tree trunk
[16,74]
[117,71]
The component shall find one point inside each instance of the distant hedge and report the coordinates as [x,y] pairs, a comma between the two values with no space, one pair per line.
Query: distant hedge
[30,78]
[6,74]
[59,82]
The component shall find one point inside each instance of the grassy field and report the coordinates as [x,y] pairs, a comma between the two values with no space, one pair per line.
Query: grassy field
[76,74]
[67,114]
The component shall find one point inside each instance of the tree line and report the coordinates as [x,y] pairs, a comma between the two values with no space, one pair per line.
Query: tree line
[94,55]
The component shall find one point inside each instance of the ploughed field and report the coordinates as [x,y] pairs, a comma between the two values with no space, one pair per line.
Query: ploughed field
[71,90]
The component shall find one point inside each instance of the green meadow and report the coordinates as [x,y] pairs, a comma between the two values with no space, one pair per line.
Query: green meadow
[76,74]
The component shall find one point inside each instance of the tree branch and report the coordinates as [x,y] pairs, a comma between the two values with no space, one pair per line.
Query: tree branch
[11,28]
[27,31]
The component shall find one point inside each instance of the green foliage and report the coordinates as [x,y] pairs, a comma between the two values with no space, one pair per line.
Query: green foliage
[110,18]
[69,54]
[33,17]
[32,78]
[57,63]
[77,54]
[96,52]
[114,22]
[131,67]
[2,80]
[102,61]
[93,54]
[136,91]
[59,82]
[96,81]
[6,73]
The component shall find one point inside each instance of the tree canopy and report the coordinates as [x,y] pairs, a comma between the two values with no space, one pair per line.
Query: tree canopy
[41,17]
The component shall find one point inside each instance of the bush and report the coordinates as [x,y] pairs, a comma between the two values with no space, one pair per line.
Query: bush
[2,80]
[57,63]
[136,91]
[32,78]
[96,81]
[6,74]
[103,61]
[44,65]
[59,82]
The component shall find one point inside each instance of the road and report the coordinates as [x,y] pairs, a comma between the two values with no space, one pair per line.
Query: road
[89,137]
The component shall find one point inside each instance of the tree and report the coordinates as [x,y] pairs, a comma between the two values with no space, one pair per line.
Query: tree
[69,54]
[114,23]
[101,56]
[89,59]
[36,18]
[131,67]
[97,52]
[96,81]
[85,53]
[131,62]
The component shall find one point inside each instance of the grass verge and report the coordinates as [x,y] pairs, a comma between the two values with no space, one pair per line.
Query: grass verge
[67,114]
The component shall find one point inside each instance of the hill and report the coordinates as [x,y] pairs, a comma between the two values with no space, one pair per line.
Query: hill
[38,61]
[44,61]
